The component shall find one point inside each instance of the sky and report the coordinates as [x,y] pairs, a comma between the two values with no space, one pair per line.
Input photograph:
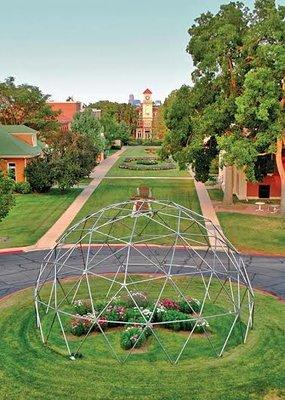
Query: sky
[99,49]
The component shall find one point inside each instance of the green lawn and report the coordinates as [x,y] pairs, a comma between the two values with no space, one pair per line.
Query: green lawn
[254,232]
[119,190]
[139,151]
[32,216]
[29,370]
[216,194]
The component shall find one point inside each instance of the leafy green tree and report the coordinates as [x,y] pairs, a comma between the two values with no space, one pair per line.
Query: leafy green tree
[114,130]
[178,120]
[39,174]
[159,126]
[216,43]
[85,123]
[7,199]
[259,119]
[121,112]
[73,157]
[26,104]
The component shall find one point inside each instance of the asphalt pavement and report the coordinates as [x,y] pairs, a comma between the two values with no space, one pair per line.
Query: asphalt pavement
[20,270]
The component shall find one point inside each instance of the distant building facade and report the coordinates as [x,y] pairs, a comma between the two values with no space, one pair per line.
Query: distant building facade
[147,110]
[67,111]
[19,144]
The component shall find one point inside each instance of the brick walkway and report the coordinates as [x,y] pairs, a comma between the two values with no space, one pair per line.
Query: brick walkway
[48,240]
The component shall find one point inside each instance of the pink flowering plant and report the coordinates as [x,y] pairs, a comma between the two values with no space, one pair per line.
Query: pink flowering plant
[169,304]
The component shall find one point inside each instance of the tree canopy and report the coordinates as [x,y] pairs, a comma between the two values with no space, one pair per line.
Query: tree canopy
[120,112]
[26,104]
[85,123]
[237,100]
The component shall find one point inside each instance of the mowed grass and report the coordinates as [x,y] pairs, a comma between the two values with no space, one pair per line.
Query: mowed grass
[140,151]
[33,215]
[120,190]
[30,370]
[254,232]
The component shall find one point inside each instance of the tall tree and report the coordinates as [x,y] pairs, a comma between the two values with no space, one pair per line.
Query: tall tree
[114,130]
[26,104]
[259,120]
[85,123]
[159,126]
[216,42]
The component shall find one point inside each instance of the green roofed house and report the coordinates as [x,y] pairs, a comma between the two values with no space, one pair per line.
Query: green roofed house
[18,145]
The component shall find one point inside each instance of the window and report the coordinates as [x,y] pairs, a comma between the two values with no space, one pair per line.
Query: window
[12,170]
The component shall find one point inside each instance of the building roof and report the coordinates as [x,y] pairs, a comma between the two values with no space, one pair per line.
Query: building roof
[18,129]
[147,91]
[11,146]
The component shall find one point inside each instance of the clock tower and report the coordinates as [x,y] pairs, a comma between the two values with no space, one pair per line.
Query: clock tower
[146,112]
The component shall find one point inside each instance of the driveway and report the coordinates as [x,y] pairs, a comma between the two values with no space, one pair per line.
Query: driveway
[19,270]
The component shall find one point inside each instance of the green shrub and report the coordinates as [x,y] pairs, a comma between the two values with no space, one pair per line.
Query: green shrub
[7,198]
[140,299]
[82,307]
[189,306]
[140,167]
[39,175]
[132,337]
[147,162]
[80,326]
[116,314]
[22,187]
[176,322]
[134,315]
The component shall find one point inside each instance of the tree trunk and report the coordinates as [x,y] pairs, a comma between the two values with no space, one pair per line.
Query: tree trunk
[281,171]
[228,181]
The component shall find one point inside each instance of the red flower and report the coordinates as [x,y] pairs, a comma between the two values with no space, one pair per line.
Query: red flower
[169,304]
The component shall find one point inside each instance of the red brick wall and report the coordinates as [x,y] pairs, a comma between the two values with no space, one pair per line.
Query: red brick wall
[273,181]
[20,167]
[68,109]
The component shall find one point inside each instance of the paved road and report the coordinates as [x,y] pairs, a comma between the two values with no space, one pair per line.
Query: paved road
[19,270]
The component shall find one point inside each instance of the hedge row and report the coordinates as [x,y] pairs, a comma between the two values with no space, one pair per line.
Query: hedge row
[140,167]
[145,163]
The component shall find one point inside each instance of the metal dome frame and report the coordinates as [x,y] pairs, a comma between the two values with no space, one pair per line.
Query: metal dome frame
[209,256]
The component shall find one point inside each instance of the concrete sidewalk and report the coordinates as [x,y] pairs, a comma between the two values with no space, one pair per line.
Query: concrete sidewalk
[48,240]
[209,213]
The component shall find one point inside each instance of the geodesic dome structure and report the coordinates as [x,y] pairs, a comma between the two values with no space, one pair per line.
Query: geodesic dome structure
[151,266]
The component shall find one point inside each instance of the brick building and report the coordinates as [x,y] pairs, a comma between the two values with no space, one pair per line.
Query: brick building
[18,145]
[67,111]
[268,188]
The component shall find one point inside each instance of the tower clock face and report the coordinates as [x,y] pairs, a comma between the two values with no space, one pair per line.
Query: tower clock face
[147,97]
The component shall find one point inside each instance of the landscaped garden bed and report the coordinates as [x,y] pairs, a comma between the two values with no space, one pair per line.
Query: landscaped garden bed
[177,316]
[146,163]
[32,371]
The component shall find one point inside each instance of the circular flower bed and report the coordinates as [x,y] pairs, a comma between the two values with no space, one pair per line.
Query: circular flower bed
[133,312]
[146,163]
